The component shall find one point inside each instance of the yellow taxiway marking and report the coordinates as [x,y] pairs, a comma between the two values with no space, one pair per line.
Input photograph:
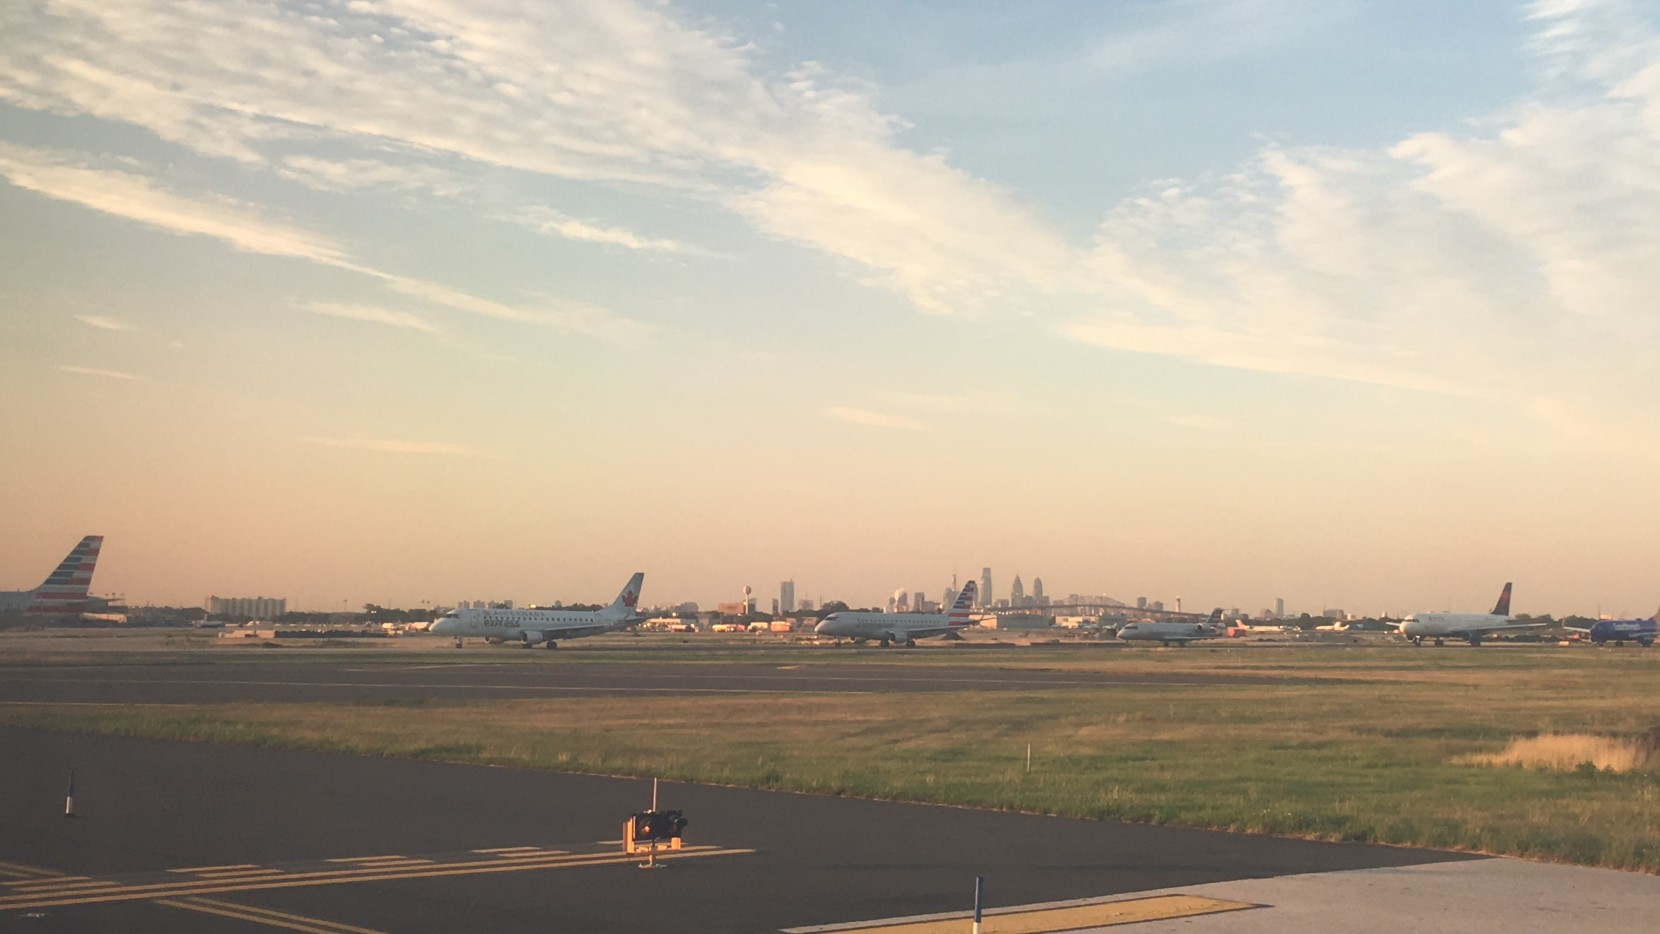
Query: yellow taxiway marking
[53,897]
[239,874]
[1070,918]
[266,916]
[214,906]
[217,868]
[516,849]
[20,871]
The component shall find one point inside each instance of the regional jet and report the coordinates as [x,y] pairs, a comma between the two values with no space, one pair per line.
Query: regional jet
[64,592]
[1166,633]
[1467,626]
[533,627]
[905,628]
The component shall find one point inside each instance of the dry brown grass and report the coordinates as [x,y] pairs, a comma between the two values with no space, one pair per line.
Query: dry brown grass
[1569,751]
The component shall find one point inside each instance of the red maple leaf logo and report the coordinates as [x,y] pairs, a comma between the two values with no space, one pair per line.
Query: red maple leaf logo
[628,598]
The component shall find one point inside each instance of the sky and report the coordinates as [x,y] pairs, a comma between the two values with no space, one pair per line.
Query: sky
[1349,302]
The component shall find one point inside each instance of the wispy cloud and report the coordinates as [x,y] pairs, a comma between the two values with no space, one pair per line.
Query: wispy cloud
[548,221]
[386,445]
[859,416]
[124,194]
[1198,30]
[103,323]
[373,313]
[94,371]
[136,198]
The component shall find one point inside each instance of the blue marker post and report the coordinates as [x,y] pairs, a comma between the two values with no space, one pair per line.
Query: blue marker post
[979,901]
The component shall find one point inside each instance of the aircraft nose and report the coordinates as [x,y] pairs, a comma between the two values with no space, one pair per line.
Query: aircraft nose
[819,629]
[442,626]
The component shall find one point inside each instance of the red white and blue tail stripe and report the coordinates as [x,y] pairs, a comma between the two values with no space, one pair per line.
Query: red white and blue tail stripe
[66,589]
[965,602]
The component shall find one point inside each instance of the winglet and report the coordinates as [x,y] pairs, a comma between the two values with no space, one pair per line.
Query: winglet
[1502,608]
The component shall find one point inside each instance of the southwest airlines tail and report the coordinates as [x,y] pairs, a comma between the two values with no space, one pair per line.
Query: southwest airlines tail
[623,606]
[959,610]
[65,589]
[1502,608]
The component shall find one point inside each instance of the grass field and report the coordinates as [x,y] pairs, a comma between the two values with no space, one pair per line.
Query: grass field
[1343,743]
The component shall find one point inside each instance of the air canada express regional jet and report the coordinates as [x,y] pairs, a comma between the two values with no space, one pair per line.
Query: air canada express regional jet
[538,627]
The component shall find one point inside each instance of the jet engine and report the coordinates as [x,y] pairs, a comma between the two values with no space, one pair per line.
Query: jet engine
[530,638]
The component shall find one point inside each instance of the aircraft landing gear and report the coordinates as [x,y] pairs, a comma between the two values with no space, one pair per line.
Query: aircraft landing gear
[910,643]
[458,642]
[552,645]
[886,642]
[1475,642]
[1417,642]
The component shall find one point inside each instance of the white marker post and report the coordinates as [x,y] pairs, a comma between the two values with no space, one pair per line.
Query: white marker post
[979,902]
[69,798]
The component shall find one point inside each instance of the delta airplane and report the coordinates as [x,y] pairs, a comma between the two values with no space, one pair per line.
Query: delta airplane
[1467,626]
[905,628]
[65,590]
[1621,631]
[537,627]
[1180,633]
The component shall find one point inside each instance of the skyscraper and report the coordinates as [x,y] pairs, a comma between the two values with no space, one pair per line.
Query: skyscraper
[786,596]
[1279,608]
[985,587]
[1017,592]
[1037,589]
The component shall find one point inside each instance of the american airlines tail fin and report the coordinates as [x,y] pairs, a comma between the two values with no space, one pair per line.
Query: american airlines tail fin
[623,606]
[65,589]
[965,602]
[1502,608]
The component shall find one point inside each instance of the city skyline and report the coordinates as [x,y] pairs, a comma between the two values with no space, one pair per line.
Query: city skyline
[389,301]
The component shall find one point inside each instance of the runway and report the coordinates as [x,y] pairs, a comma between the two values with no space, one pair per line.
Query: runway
[186,837]
[657,673]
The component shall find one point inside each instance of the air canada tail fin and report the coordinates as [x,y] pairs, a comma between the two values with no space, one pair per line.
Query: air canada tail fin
[65,589]
[623,606]
[965,602]
[1502,608]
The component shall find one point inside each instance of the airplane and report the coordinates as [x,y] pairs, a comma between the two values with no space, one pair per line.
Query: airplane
[1621,631]
[1467,626]
[1180,633]
[904,628]
[64,592]
[532,627]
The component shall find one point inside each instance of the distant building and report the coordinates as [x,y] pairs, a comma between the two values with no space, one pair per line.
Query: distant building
[807,606]
[985,587]
[1279,608]
[786,596]
[1141,603]
[1157,606]
[251,607]
[1037,589]
[1017,591]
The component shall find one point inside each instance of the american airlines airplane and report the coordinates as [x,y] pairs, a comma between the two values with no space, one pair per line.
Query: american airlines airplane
[1166,633]
[539,627]
[1467,626]
[65,590]
[905,628]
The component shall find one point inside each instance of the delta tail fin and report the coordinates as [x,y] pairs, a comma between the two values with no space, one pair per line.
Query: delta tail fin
[623,606]
[965,602]
[1502,608]
[65,589]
